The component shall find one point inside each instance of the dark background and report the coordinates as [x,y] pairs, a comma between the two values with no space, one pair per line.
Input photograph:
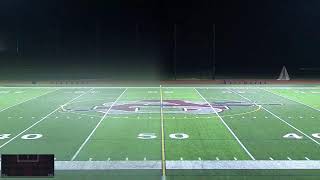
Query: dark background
[135,39]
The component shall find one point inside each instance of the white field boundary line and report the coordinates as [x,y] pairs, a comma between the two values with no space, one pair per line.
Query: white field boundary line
[246,164]
[204,165]
[226,125]
[96,127]
[157,87]
[291,100]
[280,119]
[34,124]
[27,100]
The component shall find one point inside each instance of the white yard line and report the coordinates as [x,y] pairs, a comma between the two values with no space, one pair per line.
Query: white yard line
[226,125]
[291,100]
[27,100]
[34,124]
[92,132]
[280,119]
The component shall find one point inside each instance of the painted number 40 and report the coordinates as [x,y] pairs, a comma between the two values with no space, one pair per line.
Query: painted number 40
[172,136]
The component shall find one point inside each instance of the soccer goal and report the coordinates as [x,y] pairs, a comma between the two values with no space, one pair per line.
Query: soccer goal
[284,76]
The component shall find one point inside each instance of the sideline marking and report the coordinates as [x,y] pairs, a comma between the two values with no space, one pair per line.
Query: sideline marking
[42,119]
[285,97]
[28,100]
[246,164]
[281,120]
[226,125]
[163,154]
[103,117]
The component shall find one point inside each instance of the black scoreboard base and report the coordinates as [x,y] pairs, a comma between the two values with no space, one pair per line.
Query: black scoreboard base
[27,165]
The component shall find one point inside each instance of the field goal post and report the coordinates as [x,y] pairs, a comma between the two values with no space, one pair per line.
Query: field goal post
[284,76]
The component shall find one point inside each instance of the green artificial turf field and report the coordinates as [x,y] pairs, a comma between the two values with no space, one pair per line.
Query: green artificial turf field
[165,130]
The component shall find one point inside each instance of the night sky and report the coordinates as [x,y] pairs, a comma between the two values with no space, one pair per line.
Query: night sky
[135,39]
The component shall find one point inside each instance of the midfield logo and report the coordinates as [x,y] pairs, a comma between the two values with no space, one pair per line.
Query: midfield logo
[169,106]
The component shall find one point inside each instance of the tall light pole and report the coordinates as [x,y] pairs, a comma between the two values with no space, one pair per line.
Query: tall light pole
[213,51]
[175,51]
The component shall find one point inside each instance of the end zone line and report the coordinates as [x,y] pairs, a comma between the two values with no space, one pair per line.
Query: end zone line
[280,119]
[96,127]
[226,125]
[28,100]
[163,154]
[34,124]
[291,99]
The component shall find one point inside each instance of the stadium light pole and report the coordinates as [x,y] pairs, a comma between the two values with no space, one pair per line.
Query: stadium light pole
[213,51]
[175,51]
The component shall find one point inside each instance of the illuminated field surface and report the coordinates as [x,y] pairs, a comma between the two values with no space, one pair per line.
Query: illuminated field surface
[176,132]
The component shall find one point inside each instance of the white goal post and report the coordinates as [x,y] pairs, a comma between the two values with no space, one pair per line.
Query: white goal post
[284,76]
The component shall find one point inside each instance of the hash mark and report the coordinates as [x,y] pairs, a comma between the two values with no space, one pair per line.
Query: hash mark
[32,117]
[289,158]
[307,158]
[217,158]
[90,159]
[20,117]
[144,158]
[109,159]
[271,158]
[199,158]
[266,117]
[127,158]
[181,159]
[235,158]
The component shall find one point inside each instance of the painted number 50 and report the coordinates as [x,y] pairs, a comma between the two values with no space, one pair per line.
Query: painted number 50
[172,136]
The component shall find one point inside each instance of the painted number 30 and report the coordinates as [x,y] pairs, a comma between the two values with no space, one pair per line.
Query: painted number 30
[172,136]
[27,136]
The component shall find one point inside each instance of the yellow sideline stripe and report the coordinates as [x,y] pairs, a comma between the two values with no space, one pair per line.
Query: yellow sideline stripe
[163,155]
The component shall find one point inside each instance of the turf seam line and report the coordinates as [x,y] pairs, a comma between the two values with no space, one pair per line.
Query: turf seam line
[292,100]
[281,119]
[42,119]
[96,127]
[27,100]
[226,125]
